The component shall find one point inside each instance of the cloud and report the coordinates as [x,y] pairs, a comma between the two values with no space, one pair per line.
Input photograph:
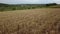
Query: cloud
[57,1]
[29,1]
[36,1]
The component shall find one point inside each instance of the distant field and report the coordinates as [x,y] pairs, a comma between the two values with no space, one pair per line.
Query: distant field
[10,7]
[33,21]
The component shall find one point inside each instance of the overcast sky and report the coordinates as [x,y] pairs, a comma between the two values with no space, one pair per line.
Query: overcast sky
[29,1]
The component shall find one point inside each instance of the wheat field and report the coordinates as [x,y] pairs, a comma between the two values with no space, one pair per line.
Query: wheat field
[32,21]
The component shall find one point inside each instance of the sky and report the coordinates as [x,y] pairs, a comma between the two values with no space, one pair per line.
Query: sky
[29,1]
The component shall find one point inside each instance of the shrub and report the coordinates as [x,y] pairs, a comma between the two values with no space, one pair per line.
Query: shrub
[2,9]
[13,8]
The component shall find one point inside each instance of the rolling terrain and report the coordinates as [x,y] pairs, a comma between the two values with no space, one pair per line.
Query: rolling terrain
[32,21]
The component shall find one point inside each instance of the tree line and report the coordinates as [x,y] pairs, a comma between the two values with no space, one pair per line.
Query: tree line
[4,7]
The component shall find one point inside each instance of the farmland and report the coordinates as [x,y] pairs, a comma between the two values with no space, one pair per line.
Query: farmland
[32,21]
[11,7]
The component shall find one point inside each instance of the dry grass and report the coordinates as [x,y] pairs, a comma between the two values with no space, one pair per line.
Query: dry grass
[34,21]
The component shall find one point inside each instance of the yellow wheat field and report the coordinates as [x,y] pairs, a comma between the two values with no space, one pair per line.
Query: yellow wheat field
[33,21]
